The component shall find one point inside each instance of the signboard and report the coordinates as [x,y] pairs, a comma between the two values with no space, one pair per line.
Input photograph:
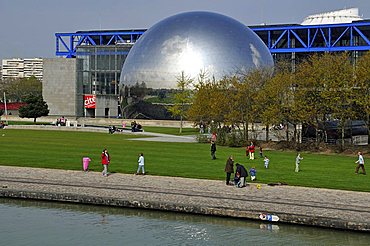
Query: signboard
[90,101]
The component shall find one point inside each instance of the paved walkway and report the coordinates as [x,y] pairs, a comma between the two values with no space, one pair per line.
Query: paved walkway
[147,136]
[299,205]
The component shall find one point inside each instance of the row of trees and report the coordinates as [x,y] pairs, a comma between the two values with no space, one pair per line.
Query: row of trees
[27,90]
[17,89]
[324,87]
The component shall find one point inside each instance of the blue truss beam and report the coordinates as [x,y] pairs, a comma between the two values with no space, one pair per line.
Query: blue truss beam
[91,39]
[279,39]
[316,38]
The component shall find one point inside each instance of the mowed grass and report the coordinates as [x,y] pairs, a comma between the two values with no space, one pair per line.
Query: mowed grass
[64,150]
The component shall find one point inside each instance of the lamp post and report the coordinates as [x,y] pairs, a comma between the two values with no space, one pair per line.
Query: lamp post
[6,110]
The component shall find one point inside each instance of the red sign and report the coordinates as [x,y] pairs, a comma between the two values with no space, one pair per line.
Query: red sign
[90,101]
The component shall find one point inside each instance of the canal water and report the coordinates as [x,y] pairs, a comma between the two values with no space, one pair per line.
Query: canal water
[24,222]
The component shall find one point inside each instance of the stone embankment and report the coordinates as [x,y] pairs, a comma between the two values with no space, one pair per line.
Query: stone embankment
[297,205]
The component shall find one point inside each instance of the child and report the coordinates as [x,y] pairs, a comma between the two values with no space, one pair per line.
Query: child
[297,162]
[360,163]
[237,179]
[266,160]
[251,151]
[261,152]
[253,172]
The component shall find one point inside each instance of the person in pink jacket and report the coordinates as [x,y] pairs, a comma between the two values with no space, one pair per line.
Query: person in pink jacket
[105,160]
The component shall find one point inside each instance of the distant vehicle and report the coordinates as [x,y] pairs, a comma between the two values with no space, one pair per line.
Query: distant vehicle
[355,131]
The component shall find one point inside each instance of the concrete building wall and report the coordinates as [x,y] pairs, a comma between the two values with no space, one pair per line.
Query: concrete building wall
[106,106]
[59,86]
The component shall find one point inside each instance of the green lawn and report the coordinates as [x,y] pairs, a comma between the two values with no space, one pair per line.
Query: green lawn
[64,150]
[27,123]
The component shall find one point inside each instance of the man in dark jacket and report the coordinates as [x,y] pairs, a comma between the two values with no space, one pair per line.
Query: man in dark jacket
[229,169]
[243,174]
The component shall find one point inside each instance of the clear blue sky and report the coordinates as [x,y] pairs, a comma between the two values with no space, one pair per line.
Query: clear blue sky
[28,26]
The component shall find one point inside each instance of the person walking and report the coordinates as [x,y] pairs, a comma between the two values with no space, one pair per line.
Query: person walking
[261,152]
[213,150]
[105,160]
[141,164]
[297,162]
[360,163]
[240,169]
[266,161]
[229,169]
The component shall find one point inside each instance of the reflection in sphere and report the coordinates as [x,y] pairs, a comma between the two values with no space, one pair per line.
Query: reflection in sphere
[193,43]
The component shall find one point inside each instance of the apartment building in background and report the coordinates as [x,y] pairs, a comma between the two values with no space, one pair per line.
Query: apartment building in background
[22,68]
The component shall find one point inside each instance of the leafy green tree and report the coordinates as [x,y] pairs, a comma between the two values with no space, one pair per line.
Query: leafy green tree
[35,108]
[276,98]
[18,89]
[361,90]
[325,89]
[182,98]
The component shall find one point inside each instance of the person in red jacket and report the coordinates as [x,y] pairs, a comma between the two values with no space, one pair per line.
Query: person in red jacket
[105,160]
[251,151]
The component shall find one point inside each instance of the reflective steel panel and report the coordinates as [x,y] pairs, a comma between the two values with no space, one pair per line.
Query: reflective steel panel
[193,42]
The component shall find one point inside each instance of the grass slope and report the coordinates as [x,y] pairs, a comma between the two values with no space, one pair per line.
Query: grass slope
[64,150]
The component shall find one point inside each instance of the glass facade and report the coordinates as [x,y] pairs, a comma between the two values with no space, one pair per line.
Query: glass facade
[98,72]
[99,68]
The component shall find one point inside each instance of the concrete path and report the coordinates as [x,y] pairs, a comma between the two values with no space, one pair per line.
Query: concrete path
[298,205]
[147,136]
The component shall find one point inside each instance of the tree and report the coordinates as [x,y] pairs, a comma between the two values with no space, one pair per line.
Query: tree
[35,108]
[182,98]
[18,89]
[362,87]
[276,99]
[325,90]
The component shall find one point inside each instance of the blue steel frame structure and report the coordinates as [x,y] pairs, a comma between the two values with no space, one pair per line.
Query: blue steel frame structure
[279,39]
[67,43]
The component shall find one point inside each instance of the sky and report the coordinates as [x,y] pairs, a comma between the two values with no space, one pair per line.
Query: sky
[28,26]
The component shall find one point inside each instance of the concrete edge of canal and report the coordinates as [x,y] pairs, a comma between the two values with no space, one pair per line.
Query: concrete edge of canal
[291,218]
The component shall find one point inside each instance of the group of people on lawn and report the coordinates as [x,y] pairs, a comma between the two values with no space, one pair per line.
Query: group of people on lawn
[241,172]
[105,161]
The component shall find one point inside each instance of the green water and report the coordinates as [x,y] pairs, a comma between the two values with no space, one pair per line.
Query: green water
[24,222]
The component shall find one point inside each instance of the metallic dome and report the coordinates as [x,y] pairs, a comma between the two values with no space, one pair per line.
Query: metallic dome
[192,43]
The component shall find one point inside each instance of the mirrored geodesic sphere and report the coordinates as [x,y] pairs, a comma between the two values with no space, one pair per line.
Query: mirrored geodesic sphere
[193,43]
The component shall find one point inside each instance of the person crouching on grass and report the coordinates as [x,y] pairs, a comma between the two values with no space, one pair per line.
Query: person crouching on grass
[253,172]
